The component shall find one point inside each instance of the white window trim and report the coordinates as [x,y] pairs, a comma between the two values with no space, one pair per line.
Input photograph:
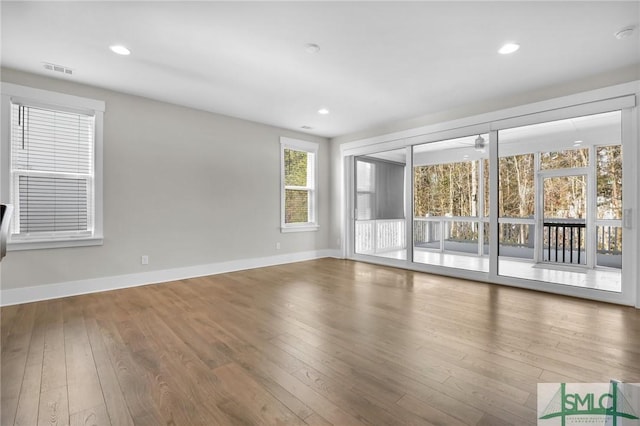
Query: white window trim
[16,93]
[310,147]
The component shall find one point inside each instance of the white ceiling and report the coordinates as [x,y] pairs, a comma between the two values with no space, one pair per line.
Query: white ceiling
[379,62]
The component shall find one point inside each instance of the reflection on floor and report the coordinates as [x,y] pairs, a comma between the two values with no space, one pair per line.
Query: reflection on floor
[608,279]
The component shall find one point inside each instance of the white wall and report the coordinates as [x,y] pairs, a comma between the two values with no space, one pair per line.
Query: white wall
[183,186]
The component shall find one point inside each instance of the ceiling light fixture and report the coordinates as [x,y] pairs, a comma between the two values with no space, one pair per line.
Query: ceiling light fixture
[311,48]
[508,48]
[119,49]
[323,111]
[624,33]
[479,144]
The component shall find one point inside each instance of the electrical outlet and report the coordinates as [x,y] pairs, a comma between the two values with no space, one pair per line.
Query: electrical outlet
[144,260]
[277,246]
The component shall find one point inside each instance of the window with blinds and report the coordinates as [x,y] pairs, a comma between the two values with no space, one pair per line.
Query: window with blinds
[52,172]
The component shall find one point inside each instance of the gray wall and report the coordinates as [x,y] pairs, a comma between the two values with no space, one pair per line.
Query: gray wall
[185,187]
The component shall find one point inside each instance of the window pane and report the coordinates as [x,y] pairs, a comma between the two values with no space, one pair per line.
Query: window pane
[364,206]
[446,189]
[365,187]
[609,246]
[298,184]
[609,181]
[380,189]
[560,155]
[565,197]
[296,206]
[380,195]
[516,186]
[461,237]
[365,176]
[450,179]
[426,233]
[516,240]
[61,144]
[49,204]
[52,141]
[485,175]
[564,159]
[295,167]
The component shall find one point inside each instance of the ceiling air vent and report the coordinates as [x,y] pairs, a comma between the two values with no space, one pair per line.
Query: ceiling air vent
[57,68]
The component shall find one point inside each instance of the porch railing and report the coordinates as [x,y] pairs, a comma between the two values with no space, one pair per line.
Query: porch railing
[461,234]
[378,236]
[450,233]
[564,241]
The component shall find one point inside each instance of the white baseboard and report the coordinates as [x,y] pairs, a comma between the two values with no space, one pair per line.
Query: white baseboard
[16,296]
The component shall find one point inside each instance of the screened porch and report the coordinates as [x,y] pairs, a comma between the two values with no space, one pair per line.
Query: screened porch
[559,202]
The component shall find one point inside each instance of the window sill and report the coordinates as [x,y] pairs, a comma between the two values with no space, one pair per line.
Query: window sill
[49,244]
[299,228]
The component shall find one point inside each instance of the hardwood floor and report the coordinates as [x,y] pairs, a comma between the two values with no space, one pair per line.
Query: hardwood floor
[320,342]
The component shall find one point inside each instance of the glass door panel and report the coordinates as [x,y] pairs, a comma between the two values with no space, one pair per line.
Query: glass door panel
[560,202]
[609,206]
[450,227]
[516,227]
[564,220]
[379,205]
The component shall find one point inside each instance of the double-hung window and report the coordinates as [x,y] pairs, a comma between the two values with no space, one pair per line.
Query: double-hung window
[53,151]
[298,185]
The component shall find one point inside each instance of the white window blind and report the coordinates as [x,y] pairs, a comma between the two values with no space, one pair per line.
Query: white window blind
[52,172]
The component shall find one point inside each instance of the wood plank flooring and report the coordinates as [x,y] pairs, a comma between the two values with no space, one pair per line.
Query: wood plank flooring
[318,343]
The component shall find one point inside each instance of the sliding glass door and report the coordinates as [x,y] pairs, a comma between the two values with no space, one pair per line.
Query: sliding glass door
[537,202]
[450,190]
[379,205]
[560,202]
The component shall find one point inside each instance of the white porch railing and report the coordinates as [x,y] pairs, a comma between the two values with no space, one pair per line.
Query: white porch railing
[462,233]
[470,235]
[377,236]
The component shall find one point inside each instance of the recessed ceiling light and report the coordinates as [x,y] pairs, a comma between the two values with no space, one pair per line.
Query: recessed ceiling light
[119,49]
[508,48]
[323,111]
[577,143]
[624,33]
[311,48]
